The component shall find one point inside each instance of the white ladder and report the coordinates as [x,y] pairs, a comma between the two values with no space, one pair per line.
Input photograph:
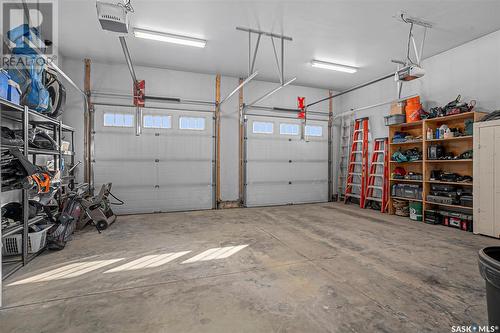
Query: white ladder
[346,126]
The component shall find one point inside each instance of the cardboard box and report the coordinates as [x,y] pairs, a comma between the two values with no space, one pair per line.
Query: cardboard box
[398,108]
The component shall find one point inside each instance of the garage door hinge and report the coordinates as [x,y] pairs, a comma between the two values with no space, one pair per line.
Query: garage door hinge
[93,161]
[157,134]
[289,183]
[157,186]
[157,160]
[289,161]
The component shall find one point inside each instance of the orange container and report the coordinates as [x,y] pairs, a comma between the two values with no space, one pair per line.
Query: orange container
[413,100]
[412,109]
[413,114]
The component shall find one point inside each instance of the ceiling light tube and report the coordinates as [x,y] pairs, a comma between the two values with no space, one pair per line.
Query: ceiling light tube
[334,67]
[169,38]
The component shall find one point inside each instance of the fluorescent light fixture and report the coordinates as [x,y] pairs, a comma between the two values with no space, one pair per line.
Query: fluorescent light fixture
[334,67]
[169,38]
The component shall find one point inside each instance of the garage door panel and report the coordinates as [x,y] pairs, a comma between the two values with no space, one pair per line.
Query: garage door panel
[283,193]
[182,172]
[138,199]
[163,169]
[262,171]
[270,150]
[309,170]
[146,149]
[178,146]
[131,173]
[282,169]
[196,198]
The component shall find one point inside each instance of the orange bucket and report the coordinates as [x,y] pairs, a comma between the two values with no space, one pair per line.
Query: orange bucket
[413,113]
[412,109]
[413,101]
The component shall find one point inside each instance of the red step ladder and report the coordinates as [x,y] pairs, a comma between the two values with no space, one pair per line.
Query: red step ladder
[357,171]
[379,169]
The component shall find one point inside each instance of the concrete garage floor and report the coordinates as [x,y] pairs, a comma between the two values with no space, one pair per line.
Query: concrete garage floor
[308,268]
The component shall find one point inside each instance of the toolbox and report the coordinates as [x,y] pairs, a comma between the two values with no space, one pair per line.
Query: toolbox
[407,191]
[466,200]
[432,217]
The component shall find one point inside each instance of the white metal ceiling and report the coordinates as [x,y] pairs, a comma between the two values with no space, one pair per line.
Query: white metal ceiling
[361,33]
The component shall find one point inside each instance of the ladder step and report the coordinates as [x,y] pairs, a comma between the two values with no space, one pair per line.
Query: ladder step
[353,184]
[352,195]
[356,163]
[376,175]
[374,199]
[376,187]
[356,174]
[357,152]
[379,151]
[357,141]
[378,163]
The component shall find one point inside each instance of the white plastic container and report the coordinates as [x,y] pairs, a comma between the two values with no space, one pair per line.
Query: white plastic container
[12,245]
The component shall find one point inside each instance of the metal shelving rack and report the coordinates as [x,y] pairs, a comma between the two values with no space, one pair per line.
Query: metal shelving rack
[22,114]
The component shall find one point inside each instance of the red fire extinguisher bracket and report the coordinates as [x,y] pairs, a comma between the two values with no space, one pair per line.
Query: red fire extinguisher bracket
[301,103]
[139,93]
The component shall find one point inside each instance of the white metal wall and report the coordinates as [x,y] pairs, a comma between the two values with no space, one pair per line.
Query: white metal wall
[161,170]
[283,169]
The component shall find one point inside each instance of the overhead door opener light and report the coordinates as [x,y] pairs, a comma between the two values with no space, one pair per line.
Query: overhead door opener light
[169,38]
[333,67]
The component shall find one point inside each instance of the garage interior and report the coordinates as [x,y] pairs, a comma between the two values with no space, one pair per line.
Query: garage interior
[248,166]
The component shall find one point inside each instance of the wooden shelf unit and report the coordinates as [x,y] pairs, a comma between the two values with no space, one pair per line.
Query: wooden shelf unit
[456,145]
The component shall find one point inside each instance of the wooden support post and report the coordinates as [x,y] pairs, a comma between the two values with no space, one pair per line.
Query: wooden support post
[241,143]
[330,146]
[217,142]
[87,124]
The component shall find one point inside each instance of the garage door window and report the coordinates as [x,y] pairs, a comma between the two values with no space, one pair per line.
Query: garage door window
[118,120]
[289,129]
[314,130]
[262,127]
[151,121]
[192,123]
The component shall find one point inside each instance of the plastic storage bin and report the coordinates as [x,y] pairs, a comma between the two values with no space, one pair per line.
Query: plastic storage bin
[394,119]
[4,84]
[14,94]
[36,241]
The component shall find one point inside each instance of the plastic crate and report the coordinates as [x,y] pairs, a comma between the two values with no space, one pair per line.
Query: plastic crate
[394,119]
[12,245]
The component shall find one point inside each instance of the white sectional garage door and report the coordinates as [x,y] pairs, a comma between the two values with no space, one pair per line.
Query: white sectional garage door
[167,168]
[280,167]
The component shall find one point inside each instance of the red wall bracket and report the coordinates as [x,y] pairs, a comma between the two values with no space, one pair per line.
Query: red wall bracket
[139,93]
